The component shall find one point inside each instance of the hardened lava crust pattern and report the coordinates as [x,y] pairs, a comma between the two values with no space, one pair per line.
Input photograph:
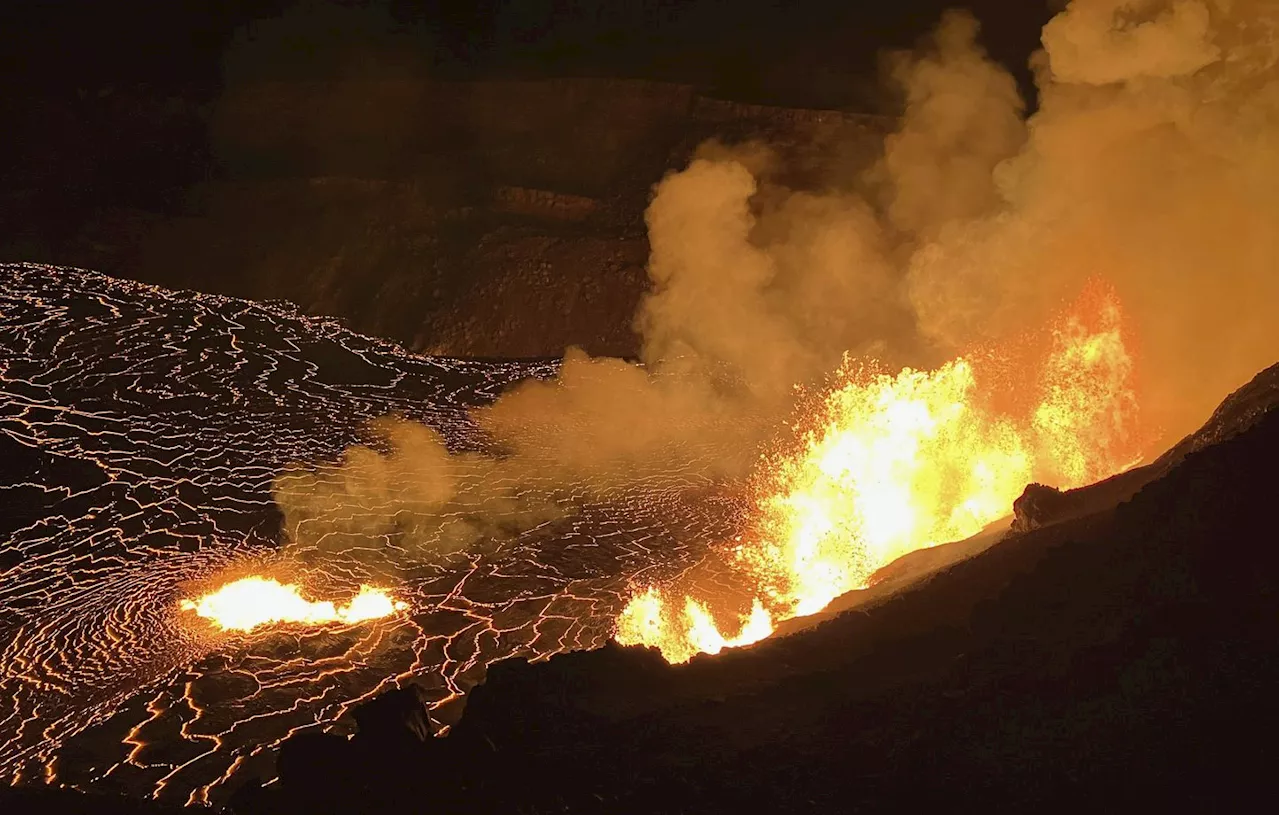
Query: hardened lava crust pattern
[141,431]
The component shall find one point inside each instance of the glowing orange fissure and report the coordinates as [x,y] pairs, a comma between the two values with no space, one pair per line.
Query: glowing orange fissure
[896,463]
[252,602]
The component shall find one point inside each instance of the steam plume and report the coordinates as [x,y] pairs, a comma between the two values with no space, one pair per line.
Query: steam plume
[1150,162]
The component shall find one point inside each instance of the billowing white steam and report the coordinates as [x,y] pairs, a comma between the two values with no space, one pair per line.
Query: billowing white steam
[1150,162]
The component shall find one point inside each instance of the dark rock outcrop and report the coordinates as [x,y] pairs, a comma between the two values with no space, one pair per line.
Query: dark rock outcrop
[1040,505]
[398,715]
[390,751]
[1037,506]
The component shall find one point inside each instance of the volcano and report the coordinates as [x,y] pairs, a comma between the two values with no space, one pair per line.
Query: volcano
[853,483]
[1118,634]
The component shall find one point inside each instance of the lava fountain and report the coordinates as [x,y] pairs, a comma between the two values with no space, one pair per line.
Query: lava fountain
[891,463]
[251,602]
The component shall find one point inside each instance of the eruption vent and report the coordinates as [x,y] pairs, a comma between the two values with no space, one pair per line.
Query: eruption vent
[894,463]
[251,602]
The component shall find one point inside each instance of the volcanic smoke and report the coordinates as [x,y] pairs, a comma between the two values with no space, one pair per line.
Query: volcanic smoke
[871,356]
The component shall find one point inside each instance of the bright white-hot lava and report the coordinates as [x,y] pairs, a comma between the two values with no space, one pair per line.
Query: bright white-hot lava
[250,602]
[892,463]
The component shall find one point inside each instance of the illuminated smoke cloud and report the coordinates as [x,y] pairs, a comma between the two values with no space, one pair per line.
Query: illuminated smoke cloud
[1148,164]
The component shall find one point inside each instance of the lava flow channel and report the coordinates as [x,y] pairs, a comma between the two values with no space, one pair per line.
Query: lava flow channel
[892,463]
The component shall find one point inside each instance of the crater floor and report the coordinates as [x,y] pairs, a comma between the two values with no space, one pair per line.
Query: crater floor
[141,431]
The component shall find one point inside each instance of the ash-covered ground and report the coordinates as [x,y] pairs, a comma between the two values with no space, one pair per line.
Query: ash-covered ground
[142,430]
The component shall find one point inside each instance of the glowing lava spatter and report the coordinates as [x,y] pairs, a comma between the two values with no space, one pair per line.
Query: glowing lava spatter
[250,602]
[895,463]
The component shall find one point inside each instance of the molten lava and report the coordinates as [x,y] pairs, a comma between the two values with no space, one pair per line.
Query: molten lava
[248,603]
[895,463]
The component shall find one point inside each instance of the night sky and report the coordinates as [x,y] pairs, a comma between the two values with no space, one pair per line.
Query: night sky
[809,52]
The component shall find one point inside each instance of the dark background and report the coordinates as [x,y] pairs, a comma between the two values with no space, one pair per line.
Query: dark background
[182,143]
[804,52]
